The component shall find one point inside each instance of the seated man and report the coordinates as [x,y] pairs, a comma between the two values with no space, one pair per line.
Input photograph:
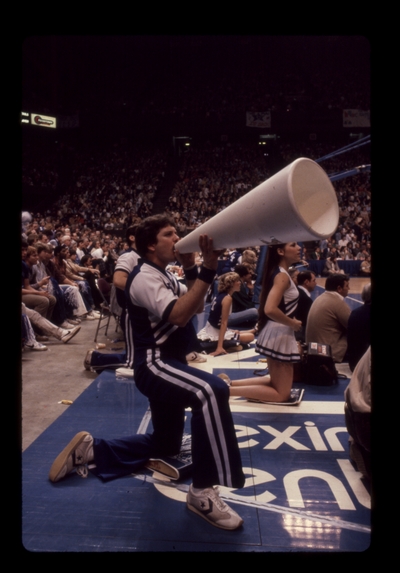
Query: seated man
[45,269]
[77,273]
[329,316]
[60,258]
[160,311]
[306,283]
[34,294]
[78,305]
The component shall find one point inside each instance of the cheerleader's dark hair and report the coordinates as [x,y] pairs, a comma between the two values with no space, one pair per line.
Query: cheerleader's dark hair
[272,261]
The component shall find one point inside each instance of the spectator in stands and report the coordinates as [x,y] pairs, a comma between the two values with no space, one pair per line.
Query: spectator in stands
[329,315]
[34,296]
[60,258]
[88,274]
[331,266]
[244,312]
[306,283]
[75,306]
[365,267]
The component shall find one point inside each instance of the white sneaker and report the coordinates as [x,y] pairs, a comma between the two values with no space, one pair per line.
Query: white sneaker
[68,334]
[74,456]
[195,357]
[36,346]
[90,316]
[213,509]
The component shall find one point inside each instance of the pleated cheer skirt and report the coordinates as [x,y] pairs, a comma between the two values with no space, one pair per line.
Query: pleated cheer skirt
[210,333]
[278,341]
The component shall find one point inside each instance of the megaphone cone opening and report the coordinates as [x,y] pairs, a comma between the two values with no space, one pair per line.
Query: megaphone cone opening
[296,204]
[314,198]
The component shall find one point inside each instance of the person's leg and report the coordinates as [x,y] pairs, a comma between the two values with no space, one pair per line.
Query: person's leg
[246,318]
[96,295]
[59,315]
[216,456]
[73,301]
[100,361]
[28,335]
[168,424]
[122,456]
[215,452]
[36,302]
[43,324]
[171,386]
[277,390]
[52,304]
[246,337]
[254,381]
[86,294]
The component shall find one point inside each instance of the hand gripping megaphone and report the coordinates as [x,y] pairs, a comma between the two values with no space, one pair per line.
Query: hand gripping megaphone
[296,204]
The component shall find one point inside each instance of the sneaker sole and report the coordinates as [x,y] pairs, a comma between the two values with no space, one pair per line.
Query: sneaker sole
[62,458]
[195,510]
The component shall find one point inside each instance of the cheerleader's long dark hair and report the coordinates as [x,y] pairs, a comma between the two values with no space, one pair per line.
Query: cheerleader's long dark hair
[272,261]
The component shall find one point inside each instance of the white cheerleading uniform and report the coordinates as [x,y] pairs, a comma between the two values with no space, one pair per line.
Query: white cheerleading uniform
[211,331]
[277,340]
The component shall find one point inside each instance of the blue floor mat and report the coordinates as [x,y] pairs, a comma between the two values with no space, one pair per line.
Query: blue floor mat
[301,493]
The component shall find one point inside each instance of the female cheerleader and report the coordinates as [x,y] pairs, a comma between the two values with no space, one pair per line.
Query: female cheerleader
[216,328]
[277,325]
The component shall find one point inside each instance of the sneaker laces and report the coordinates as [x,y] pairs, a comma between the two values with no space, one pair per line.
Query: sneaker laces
[213,495]
[82,471]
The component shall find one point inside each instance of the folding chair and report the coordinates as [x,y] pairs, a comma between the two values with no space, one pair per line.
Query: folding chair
[105,309]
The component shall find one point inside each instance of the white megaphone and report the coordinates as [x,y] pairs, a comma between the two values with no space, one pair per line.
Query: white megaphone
[297,204]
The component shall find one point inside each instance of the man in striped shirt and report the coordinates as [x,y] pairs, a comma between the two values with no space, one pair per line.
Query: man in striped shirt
[160,311]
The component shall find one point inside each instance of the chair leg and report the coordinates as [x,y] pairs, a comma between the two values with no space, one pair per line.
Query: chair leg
[108,322]
[104,314]
[98,328]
